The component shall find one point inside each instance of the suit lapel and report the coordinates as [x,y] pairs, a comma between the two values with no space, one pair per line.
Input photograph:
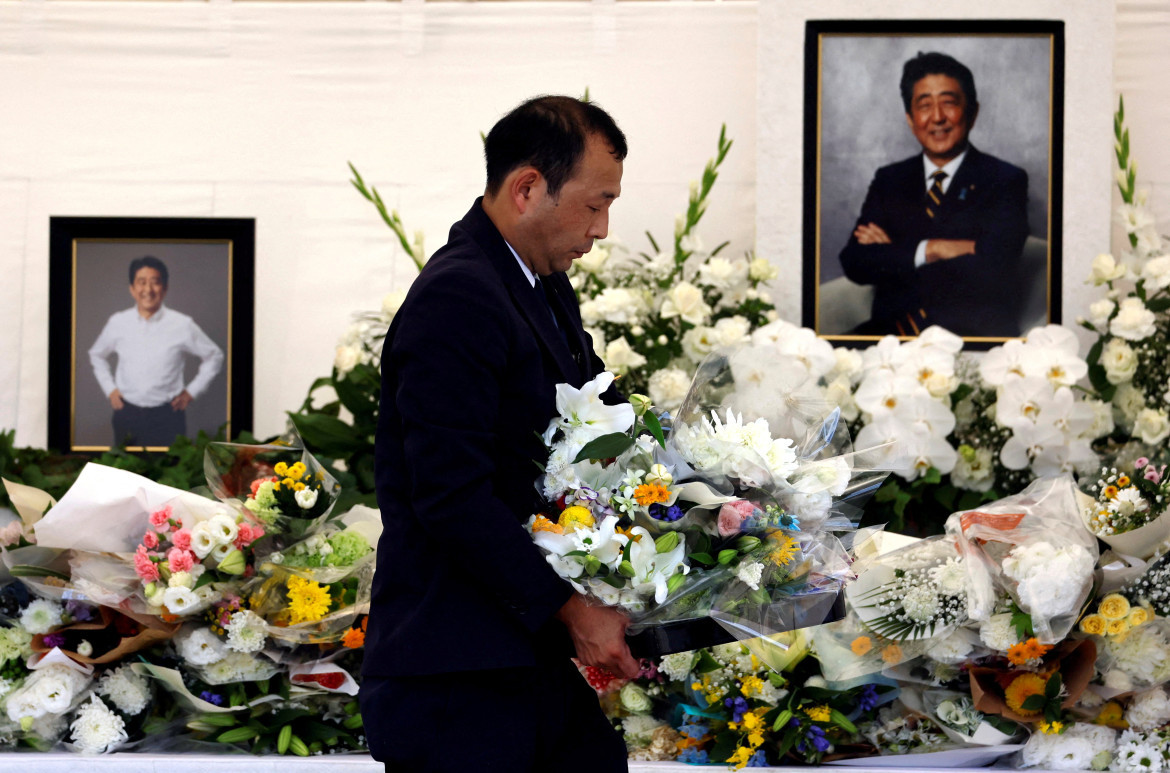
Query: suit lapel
[531,308]
[962,188]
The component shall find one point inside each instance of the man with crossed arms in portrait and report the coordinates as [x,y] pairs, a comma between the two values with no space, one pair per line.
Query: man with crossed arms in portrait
[941,233]
[151,342]
[467,655]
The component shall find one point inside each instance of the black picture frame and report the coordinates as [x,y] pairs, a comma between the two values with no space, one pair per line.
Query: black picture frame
[211,265]
[840,151]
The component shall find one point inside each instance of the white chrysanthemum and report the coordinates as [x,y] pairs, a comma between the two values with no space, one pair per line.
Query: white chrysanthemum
[1149,711]
[951,577]
[238,667]
[638,728]
[247,631]
[129,691]
[1072,750]
[41,616]
[920,603]
[97,729]
[998,633]
[950,650]
[200,647]
[677,666]
[749,573]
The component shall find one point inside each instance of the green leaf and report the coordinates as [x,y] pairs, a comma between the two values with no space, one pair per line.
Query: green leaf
[331,436]
[1158,305]
[842,721]
[702,558]
[29,570]
[706,664]
[1052,686]
[655,427]
[605,447]
[1033,703]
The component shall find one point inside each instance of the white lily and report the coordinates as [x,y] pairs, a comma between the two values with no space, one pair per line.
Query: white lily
[582,409]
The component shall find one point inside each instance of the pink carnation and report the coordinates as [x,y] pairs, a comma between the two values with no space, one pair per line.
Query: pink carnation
[261,481]
[145,567]
[150,539]
[732,516]
[181,539]
[159,518]
[180,560]
[1154,475]
[1141,462]
[243,535]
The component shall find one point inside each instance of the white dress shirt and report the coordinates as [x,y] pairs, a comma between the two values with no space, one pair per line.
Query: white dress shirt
[151,354]
[929,168]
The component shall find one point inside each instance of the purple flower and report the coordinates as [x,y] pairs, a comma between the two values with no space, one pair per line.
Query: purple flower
[78,610]
[738,706]
[817,736]
[648,669]
[868,699]
[211,697]
[670,514]
[54,640]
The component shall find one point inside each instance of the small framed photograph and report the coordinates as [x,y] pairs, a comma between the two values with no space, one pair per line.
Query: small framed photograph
[932,178]
[150,330]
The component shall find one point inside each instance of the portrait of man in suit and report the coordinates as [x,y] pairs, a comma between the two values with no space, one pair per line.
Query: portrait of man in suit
[904,112]
[941,233]
[471,632]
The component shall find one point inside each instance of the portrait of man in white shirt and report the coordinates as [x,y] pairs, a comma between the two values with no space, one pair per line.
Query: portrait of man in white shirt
[140,356]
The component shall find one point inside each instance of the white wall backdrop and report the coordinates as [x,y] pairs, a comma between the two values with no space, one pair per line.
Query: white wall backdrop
[252,110]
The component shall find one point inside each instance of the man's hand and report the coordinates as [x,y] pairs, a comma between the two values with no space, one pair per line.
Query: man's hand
[181,402]
[946,249]
[599,636]
[116,400]
[871,233]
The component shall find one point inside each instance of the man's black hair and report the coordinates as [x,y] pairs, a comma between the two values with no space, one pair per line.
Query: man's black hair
[934,63]
[149,261]
[549,134]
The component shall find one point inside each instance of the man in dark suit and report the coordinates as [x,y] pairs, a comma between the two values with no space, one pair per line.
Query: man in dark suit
[470,631]
[940,234]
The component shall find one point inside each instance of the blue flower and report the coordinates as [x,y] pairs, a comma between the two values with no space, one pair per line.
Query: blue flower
[211,697]
[757,760]
[693,729]
[670,514]
[868,699]
[738,706]
[817,736]
[693,756]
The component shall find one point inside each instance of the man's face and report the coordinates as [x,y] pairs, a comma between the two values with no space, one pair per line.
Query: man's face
[559,230]
[940,117]
[148,290]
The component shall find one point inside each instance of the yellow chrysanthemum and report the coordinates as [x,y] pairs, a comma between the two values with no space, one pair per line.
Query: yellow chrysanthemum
[785,550]
[1117,627]
[1111,716]
[1139,616]
[307,600]
[281,469]
[892,654]
[1113,607]
[297,470]
[1110,492]
[819,713]
[576,517]
[1023,687]
[543,524]
[861,645]
[651,494]
[298,486]
[1094,625]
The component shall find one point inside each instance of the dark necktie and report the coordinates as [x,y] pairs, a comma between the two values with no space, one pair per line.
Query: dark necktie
[538,288]
[556,310]
[934,196]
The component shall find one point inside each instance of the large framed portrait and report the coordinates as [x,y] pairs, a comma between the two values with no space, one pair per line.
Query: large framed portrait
[150,330]
[932,178]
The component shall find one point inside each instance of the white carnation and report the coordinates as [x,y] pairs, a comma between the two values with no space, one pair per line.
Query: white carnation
[998,633]
[1099,311]
[41,616]
[749,573]
[952,650]
[668,387]
[1149,710]
[677,666]
[1051,580]
[247,631]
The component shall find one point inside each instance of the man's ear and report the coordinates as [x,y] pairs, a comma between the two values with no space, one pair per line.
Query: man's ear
[523,186]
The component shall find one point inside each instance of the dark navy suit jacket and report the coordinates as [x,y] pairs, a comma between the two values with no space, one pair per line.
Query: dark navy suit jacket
[972,295]
[469,373]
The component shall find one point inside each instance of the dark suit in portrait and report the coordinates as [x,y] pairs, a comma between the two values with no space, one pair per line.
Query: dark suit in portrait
[976,294]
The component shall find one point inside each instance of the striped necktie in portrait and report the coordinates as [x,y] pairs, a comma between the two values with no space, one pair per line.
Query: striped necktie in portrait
[935,194]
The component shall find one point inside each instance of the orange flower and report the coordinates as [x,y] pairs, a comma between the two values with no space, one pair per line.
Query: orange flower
[1017,654]
[1023,687]
[892,654]
[861,645]
[1123,481]
[354,638]
[1110,492]
[543,524]
[651,494]
[1034,649]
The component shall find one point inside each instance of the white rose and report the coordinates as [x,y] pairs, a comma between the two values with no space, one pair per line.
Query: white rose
[620,358]
[1099,311]
[181,580]
[180,600]
[731,330]
[668,387]
[723,274]
[1119,360]
[1133,321]
[593,261]
[697,343]
[346,358]
[684,300]
[1156,272]
[762,270]
[1105,269]
[1151,425]
[1129,401]
[306,498]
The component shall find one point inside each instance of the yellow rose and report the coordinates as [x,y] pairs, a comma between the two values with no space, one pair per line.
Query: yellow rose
[1094,625]
[1114,607]
[1139,616]
[1117,627]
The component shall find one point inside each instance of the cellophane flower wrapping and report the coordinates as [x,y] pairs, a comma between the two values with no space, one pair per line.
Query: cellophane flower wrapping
[284,488]
[732,517]
[1034,546]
